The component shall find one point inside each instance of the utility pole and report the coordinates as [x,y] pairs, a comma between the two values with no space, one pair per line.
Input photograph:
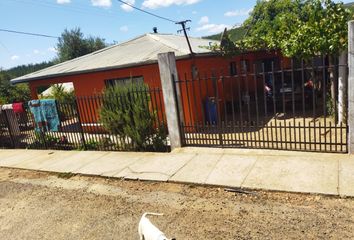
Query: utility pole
[184,30]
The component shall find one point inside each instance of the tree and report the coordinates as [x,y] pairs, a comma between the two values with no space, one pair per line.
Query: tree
[299,28]
[73,44]
[10,93]
[20,92]
[302,29]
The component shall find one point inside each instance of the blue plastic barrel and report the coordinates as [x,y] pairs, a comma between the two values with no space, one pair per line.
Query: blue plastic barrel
[211,110]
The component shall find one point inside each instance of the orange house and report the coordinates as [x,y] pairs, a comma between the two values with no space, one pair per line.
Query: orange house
[136,60]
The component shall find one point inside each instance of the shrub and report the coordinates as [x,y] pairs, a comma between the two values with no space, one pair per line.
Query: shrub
[91,145]
[42,140]
[126,112]
[102,144]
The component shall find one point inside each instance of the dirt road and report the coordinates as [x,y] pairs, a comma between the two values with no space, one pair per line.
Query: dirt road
[49,206]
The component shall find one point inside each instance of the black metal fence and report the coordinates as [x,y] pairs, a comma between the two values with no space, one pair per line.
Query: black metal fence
[265,105]
[81,127]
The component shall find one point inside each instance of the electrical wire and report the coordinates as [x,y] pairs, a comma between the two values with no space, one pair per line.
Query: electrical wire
[182,23]
[144,11]
[28,33]
[123,2]
[76,9]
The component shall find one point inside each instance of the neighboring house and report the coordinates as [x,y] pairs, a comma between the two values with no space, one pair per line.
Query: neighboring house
[136,60]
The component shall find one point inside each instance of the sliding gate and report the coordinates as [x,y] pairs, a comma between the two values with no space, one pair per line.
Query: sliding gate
[264,105]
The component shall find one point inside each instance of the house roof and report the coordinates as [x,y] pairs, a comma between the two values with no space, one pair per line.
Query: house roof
[138,51]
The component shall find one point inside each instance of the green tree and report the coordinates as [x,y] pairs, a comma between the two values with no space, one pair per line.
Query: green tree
[61,94]
[73,44]
[299,28]
[10,93]
[19,92]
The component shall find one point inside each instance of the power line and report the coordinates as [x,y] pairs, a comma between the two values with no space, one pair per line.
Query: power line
[28,33]
[75,9]
[144,11]
[182,23]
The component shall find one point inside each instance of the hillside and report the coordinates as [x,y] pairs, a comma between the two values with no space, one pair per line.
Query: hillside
[25,69]
[236,33]
[350,6]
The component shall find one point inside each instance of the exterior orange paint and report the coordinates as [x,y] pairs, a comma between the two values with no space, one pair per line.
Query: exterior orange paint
[88,84]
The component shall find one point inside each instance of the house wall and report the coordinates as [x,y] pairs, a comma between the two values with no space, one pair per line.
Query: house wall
[194,94]
[226,89]
[89,83]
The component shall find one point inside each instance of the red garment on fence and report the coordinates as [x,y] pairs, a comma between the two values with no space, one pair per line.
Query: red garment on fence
[18,107]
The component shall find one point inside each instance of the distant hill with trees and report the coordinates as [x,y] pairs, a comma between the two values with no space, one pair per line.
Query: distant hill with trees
[28,68]
[236,33]
[350,6]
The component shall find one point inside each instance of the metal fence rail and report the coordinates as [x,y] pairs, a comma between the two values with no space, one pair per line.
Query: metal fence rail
[265,106]
[80,126]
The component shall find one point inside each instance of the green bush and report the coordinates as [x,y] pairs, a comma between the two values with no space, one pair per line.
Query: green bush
[60,94]
[12,93]
[91,145]
[42,140]
[126,112]
[103,144]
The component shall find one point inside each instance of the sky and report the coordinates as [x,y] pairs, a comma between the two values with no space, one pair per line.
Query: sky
[109,19]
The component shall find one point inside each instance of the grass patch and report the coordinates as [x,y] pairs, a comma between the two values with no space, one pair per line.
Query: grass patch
[66,175]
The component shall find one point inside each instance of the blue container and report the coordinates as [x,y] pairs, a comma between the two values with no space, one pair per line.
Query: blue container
[211,111]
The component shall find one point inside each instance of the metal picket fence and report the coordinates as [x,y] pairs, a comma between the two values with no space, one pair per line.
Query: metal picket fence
[80,126]
[263,105]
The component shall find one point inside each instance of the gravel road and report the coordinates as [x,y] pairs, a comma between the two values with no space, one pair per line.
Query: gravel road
[35,205]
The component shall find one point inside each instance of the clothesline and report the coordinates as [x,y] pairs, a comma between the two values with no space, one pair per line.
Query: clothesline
[44,113]
[16,107]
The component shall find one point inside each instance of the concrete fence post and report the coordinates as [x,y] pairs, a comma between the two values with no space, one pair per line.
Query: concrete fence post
[168,75]
[351,87]
[342,88]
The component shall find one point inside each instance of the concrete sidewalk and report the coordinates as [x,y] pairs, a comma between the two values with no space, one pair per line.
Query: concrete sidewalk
[253,169]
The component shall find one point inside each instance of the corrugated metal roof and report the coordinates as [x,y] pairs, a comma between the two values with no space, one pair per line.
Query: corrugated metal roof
[138,51]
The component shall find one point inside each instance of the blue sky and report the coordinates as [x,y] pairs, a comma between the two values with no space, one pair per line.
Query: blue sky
[107,19]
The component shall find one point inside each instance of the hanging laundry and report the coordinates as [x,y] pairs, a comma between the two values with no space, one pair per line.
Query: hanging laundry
[18,107]
[11,119]
[6,107]
[45,115]
[49,108]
